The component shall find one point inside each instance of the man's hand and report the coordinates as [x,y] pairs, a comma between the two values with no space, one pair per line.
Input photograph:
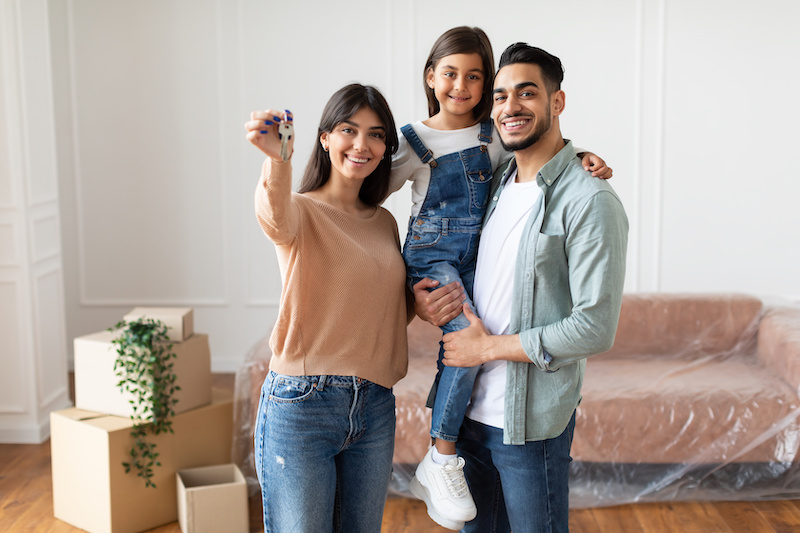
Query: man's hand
[438,306]
[467,347]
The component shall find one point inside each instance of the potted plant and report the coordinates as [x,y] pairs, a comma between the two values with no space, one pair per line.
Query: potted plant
[144,366]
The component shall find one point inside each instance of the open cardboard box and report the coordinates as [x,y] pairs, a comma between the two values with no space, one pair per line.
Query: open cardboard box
[212,499]
[179,320]
[90,487]
[96,380]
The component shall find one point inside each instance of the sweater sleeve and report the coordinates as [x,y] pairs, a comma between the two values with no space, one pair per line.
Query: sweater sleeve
[277,214]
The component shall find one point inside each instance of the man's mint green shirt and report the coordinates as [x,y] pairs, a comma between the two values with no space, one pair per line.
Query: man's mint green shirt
[568,282]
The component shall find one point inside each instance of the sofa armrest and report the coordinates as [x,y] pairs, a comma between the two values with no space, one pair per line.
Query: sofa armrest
[779,343]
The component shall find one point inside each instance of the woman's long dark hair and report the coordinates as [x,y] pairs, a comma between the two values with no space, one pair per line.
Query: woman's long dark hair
[342,105]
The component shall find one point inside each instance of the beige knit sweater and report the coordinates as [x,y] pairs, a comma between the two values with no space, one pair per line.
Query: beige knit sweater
[343,304]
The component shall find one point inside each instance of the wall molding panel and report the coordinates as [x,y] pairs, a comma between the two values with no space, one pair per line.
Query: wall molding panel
[50,334]
[33,369]
[46,236]
[645,246]
[9,254]
[12,344]
[178,264]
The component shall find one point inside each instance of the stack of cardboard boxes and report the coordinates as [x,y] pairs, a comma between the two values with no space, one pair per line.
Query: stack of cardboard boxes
[90,441]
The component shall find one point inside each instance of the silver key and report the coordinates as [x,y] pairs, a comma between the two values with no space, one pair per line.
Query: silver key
[285,130]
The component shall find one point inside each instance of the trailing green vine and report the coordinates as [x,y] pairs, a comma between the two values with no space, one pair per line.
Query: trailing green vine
[145,367]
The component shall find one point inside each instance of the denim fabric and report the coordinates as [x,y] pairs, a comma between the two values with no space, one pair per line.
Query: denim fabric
[524,488]
[323,453]
[442,244]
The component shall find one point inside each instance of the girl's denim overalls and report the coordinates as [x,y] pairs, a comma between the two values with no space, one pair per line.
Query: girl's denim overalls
[442,244]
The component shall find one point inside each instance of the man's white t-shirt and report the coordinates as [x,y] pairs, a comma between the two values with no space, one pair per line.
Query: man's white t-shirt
[493,290]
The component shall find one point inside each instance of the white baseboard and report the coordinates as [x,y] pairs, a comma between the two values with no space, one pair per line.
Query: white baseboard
[31,435]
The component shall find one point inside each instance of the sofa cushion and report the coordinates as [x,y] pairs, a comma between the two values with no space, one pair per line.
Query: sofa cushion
[665,410]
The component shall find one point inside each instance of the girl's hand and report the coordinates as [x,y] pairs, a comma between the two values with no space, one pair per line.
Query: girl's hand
[596,166]
[262,131]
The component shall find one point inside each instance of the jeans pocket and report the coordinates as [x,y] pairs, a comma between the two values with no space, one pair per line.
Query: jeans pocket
[291,389]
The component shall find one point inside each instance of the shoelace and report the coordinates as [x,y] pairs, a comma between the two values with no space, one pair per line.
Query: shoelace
[453,474]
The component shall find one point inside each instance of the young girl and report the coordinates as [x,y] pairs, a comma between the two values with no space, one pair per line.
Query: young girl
[325,425]
[450,158]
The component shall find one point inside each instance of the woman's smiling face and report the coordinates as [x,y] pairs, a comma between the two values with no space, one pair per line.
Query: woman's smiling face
[356,145]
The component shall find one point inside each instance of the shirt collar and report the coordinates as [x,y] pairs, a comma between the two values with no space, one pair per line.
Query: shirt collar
[554,168]
[551,171]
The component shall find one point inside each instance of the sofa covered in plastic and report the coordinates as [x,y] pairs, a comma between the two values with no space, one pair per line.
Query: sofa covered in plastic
[697,400]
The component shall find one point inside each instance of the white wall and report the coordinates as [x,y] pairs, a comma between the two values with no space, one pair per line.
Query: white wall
[33,343]
[689,101]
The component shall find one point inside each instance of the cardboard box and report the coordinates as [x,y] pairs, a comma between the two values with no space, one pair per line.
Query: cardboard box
[212,499]
[91,490]
[179,320]
[96,381]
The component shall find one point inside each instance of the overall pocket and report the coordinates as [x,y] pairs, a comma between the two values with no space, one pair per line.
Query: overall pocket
[479,186]
[423,233]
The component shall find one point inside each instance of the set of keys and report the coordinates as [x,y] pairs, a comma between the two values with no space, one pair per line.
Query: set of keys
[285,132]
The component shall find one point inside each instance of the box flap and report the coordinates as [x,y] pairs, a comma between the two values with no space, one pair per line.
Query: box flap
[104,336]
[95,419]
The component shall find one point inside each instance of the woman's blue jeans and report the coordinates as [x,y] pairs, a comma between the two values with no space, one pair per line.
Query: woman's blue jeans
[323,453]
[523,488]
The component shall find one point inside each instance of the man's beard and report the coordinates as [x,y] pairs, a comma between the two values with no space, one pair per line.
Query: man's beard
[530,140]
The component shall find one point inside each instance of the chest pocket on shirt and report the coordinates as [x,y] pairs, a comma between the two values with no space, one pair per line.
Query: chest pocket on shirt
[551,261]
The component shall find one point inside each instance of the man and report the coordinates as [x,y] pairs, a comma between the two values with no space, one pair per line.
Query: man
[561,236]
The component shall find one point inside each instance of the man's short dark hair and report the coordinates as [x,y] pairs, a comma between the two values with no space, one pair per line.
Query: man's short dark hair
[552,70]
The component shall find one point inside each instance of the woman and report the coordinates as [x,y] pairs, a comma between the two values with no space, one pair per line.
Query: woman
[324,433]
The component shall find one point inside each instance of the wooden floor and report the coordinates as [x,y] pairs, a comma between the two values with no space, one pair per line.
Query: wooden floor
[26,504]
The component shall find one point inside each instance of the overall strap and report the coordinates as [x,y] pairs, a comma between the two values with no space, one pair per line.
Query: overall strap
[418,146]
[485,136]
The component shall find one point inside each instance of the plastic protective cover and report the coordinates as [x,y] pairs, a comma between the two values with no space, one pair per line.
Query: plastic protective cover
[697,400]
